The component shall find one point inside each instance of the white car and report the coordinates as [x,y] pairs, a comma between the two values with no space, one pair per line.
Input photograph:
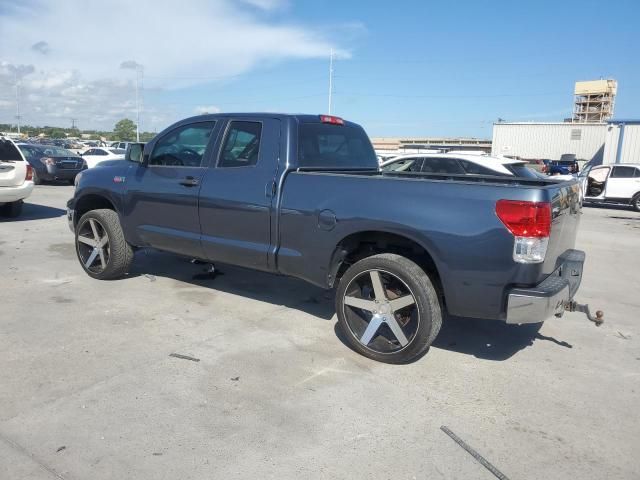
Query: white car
[94,156]
[619,183]
[460,164]
[16,178]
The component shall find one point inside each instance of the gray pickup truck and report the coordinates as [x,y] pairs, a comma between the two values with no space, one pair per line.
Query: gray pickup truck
[302,195]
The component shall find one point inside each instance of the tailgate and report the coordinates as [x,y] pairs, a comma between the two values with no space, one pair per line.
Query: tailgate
[565,213]
[13,168]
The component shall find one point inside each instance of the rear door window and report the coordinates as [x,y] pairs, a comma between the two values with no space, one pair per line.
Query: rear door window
[623,172]
[241,145]
[442,165]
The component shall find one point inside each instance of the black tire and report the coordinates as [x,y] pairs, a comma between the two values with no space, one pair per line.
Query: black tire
[635,202]
[118,253]
[36,178]
[13,209]
[421,325]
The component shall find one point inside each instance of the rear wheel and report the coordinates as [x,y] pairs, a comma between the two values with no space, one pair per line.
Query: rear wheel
[13,209]
[635,202]
[388,308]
[102,249]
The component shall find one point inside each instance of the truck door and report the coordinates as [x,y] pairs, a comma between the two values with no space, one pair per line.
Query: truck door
[162,192]
[623,183]
[237,194]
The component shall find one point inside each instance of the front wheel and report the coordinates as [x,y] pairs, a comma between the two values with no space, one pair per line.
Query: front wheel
[388,308]
[101,247]
[635,202]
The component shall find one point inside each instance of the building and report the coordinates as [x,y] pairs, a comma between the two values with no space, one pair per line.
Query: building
[532,141]
[594,100]
[622,142]
[427,143]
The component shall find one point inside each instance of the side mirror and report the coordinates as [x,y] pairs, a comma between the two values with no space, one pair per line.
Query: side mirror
[134,152]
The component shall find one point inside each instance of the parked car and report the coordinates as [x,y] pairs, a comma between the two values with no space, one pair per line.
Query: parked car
[459,164]
[302,195]
[16,178]
[52,163]
[619,183]
[93,156]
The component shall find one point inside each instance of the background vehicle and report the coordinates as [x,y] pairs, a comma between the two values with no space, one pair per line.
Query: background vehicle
[15,178]
[121,145]
[302,195]
[93,156]
[619,183]
[52,163]
[567,165]
[459,164]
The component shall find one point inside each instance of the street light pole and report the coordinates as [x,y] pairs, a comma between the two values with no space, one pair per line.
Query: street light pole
[330,81]
[18,103]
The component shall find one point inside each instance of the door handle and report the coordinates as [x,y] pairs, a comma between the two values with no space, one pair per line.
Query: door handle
[189,181]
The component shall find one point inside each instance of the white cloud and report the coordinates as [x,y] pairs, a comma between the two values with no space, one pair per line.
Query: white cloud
[69,53]
[202,109]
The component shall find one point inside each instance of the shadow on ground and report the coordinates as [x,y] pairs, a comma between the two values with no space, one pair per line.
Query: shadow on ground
[486,339]
[33,211]
[265,287]
[609,206]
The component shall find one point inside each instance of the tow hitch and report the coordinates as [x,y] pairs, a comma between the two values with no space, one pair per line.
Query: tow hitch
[573,306]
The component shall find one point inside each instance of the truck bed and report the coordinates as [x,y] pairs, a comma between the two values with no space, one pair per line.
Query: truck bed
[452,216]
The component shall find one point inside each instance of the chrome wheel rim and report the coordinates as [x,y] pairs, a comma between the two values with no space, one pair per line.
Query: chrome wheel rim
[381,311]
[92,243]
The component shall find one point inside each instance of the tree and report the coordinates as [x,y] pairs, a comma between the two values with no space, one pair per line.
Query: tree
[125,130]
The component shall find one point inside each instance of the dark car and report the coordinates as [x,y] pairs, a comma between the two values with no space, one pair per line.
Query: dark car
[52,163]
[560,167]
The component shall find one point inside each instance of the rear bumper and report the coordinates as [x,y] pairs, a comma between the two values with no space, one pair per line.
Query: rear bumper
[13,194]
[55,173]
[548,298]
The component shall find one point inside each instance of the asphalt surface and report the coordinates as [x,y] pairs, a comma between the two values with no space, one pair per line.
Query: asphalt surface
[89,389]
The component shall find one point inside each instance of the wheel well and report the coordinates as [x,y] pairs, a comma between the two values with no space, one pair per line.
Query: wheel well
[91,202]
[365,244]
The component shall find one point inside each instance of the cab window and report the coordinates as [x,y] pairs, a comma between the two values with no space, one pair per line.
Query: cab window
[182,147]
[241,145]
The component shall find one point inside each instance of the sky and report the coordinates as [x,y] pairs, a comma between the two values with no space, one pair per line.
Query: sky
[401,68]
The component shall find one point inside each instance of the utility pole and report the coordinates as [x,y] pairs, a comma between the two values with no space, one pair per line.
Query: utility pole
[18,117]
[139,73]
[330,81]
[73,123]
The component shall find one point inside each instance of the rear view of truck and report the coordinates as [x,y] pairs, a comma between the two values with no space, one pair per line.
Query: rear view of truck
[16,178]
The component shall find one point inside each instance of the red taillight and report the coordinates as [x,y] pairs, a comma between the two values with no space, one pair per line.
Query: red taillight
[525,219]
[29,175]
[331,119]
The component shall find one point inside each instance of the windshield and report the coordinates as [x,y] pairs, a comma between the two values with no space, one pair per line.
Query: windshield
[406,165]
[323,145]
